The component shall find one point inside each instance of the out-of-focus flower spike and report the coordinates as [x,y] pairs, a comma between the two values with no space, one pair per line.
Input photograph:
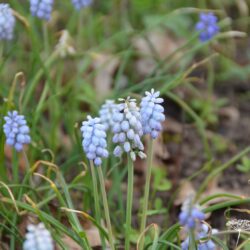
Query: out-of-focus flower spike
[106,113]
[64,46]
[41,8]
[7,22]
[80,4]
[207,26]
[38,238]
[16,130]
[190,215]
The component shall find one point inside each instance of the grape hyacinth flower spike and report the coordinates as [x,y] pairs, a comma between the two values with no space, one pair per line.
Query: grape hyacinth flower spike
[94,140]
[94,144]
[152,113]
[191,215]
[202,232]
[128,130]
[38,238]
[207,26]
[41,8]
[108,109]
[16,130]
[7,22]
[79,4]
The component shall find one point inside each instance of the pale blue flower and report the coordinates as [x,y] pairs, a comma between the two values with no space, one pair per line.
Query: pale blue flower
[94,140]
[207,26]
[127,129]
[79,4]
[16,130]
[202,232]
[191,215]
[7,22]
[41,8]
[152,113]
[106,113]
[38,238]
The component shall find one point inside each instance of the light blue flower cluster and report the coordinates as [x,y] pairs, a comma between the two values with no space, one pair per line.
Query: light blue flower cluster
[207,26]
[128,129]
[16,130]
[38,238]
[7,22]
[152,113]
[191,215]
[79,4]
[94,140]
[204,245]
[106,113]
[41,8]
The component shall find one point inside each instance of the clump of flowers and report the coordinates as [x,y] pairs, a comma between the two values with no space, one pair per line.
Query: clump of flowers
[16,130]
[191,215]
[79,4]
[202,234]
[38,238]
[152,113]
[7,22]
[128,129]
[41,8]
[207,26]
[94,140]
[107,111]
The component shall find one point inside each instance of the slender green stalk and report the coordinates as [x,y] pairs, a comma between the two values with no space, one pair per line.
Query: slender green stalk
[129,203]
[192,243]
[46,39]
[146,193]
[80,29]
[106,208]
[96,199]
[15,166]
[15,177]
[1,52]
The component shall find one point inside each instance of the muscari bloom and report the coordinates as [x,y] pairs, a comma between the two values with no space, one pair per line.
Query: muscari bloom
[16,130]
[7,22]
[106,113]
[203,232]
[152,113]
[79,4]
[207,26]
[41,8]
[128,129]
[94,140]
[38,238]
[191,215]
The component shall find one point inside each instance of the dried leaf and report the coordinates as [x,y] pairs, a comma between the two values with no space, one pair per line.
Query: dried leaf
[105,66]
[186,189]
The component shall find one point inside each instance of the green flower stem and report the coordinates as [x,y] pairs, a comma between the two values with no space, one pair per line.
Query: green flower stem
[46,38]
[129,203]
[96,200]
[192,241]
[106,208]
[146,193]
[15,166]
